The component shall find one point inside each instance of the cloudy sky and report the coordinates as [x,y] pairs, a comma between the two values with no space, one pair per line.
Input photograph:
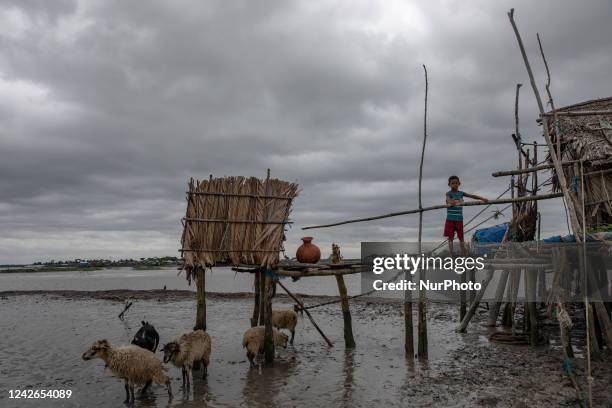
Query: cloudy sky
[108,107]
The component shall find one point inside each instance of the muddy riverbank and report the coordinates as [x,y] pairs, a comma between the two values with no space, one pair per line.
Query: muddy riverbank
[45,332]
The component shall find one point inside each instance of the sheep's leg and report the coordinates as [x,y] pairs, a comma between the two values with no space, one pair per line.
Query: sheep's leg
[127,393]
[205,368]
[145,388]
[251,357]
[132,393]
[187,374]
[184,373]
[292,336]
[169,388]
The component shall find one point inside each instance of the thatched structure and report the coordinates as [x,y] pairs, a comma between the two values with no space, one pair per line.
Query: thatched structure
[585,131]
[235,221]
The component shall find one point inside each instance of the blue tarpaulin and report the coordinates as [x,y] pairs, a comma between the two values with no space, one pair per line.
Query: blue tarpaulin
[491,234]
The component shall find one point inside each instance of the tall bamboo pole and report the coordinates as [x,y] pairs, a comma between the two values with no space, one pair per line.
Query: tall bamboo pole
[422,315]
[267,295]
[555,159]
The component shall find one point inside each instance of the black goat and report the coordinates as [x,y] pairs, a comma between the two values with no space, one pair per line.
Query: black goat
[146,337]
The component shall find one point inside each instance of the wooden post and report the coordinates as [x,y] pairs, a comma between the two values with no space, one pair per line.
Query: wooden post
[422,314]
[474,305]
[530,305]
[268,339]
[499,295]
[262,303]
[201,299]
[349,340]
[256,286]
[462,299]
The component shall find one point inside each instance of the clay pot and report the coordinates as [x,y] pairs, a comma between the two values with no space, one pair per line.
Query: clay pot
[308,252]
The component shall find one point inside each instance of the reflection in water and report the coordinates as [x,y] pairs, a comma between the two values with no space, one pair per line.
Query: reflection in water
[349,368]
[263,385]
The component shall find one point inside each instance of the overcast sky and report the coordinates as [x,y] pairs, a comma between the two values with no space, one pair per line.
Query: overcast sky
[107,108]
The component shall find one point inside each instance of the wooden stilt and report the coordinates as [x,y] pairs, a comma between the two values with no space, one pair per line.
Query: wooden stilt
[268,341]
[471,277]
[408,325]
[349,340]
[595,350]
[256,285]
[262,303]
[462,300]
[201,300]
[472,310]
[499,295]
[530,306]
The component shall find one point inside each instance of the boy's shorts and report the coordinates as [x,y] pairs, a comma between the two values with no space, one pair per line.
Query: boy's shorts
[451,226]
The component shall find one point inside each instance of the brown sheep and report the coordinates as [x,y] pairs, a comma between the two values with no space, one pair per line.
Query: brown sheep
[253,341]
[188,349]
[285,319]
[133,364]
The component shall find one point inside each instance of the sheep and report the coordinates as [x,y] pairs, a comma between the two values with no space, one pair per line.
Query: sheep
[146,337]
[285,319]
[253,341]
[188,349]
[133,364]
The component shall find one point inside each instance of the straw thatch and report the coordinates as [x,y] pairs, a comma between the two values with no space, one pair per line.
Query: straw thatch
[587,137]
[235,220]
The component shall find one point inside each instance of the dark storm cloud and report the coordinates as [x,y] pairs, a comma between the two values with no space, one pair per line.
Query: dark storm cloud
[107,108]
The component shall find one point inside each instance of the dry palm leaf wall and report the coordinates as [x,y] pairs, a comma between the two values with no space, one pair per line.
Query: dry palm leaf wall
[235,220]
[587,137]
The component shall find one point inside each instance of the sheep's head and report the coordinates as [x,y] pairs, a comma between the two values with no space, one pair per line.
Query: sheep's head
[283,339]
[99,349]
[170,350]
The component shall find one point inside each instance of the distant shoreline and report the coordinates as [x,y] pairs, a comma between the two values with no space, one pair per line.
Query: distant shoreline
[30,269]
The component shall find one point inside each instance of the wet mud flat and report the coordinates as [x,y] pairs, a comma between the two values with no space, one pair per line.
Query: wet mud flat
[44,335]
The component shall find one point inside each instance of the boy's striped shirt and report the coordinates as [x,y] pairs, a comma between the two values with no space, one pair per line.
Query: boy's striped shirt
[455,213]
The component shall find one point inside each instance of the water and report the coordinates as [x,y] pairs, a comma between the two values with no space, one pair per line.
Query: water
[220,279]
[43,337]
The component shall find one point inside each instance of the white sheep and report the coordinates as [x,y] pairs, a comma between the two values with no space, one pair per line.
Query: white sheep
[133,364]
[188,349]
[253,341]
[285,319]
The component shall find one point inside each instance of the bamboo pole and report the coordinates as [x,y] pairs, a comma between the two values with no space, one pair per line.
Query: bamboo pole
[302,307]
[267,295]
[556,160]
[544,167]
[550,99]
[579,113]
[422,311]
[439,207]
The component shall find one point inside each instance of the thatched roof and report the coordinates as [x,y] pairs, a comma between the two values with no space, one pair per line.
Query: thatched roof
[585,131]
[235,220]
[586,136]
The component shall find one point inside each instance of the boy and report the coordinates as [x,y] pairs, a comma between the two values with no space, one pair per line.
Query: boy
[454,214]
